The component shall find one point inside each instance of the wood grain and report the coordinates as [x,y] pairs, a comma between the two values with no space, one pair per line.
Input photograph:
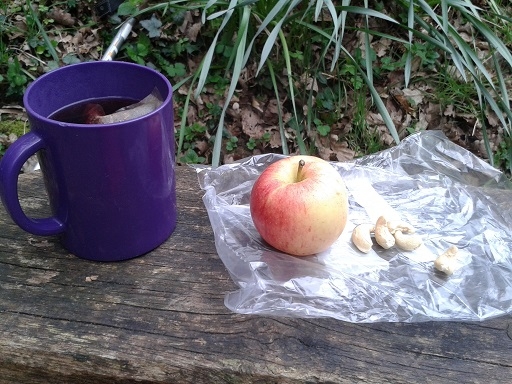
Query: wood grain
[160,318]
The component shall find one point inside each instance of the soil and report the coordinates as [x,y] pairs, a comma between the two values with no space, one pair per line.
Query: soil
[252,117]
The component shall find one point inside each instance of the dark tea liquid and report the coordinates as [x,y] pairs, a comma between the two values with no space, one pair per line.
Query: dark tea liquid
[77,113]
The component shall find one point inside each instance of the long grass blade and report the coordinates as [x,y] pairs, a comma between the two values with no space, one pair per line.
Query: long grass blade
[286,54]
[231,8]
[332,11]
[379,104]
[207,60]
[264,24]
[408,58]
[493,40]
[502,86]
[208,5]
[46,38]
[368,48]
[465,4]
[338,36]
[322,32]
[440,41]
[176,4]
[282,133]
[489,99]
[271,39]
[237,69]
[184,114]
[481,117]
[430,12]
[342,20]
[445,16]
[269,44]
[471,57]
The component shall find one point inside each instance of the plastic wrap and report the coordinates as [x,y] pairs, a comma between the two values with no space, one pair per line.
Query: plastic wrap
[449,195]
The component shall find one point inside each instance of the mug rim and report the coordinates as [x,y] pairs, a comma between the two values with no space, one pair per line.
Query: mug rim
[45,119]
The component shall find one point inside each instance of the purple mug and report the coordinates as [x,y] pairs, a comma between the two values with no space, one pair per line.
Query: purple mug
[111,188]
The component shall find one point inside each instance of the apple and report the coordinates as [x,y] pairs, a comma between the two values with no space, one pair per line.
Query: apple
[299,205]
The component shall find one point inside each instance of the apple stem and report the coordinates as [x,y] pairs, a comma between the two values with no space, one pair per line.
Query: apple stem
[299,170]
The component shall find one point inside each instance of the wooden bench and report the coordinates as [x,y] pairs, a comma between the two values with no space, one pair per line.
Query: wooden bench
[161,318]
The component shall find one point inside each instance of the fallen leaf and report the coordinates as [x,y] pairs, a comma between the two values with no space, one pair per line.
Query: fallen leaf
[251,123]
[61,17]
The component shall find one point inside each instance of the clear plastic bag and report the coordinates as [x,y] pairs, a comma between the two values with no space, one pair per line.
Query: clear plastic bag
[449,195]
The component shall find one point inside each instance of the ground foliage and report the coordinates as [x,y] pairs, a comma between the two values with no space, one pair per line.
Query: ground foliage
[342,122]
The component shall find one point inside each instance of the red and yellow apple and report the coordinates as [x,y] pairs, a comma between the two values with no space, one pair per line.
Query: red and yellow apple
[299,205]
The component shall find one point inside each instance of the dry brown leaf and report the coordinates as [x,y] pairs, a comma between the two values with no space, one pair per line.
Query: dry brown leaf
[401,101]
[201,146]
[61,17]
[449,111]
[394,111]
[270,114]
[381,47]
[193,31]
[275,138]
[307,82]
[191,115]
[251,123]
[492,118]
[20,27]
[256,104]
[417,95]
[85,42]
[342,151]
[187,19]
[229,158]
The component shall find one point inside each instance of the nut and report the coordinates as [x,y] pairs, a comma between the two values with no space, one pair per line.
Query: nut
[407,242]
[361,237]
[447,261]
[382,234]
[402,226]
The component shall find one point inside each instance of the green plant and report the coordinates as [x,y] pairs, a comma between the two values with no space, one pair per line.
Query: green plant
[16,78]
[139,50]
[253,143]
[38,38]
[350,71]
[173,70]
[194,131]
[27,49]
[503,155]
[426,53]
[430,36]
[361,138]
[318,58]
[191,157]
[232,143]
[322,129]
[439,31]
[451,90]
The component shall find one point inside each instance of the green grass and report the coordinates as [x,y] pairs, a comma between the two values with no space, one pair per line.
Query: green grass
[318,58]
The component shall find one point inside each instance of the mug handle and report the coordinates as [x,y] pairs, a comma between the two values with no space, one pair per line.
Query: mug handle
[10,166]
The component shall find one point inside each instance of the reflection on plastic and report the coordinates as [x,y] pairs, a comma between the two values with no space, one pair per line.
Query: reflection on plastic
[448,194]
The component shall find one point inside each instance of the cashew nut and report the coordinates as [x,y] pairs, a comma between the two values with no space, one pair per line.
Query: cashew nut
[407,242]
[447,261]
[361,237]
[402,226]
[382,234]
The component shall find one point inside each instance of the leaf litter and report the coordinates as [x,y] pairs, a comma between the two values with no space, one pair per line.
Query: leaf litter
[253,115]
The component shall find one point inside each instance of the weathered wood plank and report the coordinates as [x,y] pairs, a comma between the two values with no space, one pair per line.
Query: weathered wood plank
[161,319]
